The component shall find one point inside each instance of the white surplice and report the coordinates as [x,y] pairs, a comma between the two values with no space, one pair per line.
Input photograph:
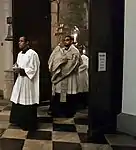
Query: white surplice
[26,88]
[83,75]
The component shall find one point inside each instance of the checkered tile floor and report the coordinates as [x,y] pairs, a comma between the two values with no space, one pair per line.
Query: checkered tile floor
[52,134]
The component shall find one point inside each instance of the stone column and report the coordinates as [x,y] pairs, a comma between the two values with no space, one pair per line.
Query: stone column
[9,81]
[53,23]
[8,59]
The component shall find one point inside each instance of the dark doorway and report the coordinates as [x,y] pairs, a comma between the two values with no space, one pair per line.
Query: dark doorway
[32,18]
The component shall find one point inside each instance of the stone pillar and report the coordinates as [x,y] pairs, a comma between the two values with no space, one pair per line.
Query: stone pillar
[54,23]
[8,53]
[9,81]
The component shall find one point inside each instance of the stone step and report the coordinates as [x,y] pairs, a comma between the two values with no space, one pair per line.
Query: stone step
[4,102]
[2,131]
[121,141]
[4,117]
[45,103]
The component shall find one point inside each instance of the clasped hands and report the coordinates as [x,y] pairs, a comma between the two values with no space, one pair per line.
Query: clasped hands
[64,58]
[19,70]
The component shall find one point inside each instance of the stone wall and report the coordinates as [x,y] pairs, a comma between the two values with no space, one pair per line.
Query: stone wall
[71,13]
[8,83]
[6,56]
[74,13]
[54,23]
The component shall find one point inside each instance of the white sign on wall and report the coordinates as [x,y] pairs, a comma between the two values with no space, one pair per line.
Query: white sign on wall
[102,61]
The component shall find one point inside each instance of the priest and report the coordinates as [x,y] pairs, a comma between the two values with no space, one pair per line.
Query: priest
[63,65]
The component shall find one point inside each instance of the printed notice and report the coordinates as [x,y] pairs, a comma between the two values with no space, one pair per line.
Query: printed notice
[102,61]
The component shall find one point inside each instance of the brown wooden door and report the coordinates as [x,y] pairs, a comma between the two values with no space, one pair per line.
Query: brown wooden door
[32,18]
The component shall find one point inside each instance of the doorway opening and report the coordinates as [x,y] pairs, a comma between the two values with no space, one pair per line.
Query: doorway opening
[70,17]
[34,21]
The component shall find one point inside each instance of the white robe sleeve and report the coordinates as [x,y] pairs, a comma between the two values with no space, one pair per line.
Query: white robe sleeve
[32,66]
[18,57]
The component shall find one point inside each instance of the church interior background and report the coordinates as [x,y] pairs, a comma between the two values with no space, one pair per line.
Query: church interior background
[46,23]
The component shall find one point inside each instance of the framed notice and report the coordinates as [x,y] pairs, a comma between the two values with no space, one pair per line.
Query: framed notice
[102,61]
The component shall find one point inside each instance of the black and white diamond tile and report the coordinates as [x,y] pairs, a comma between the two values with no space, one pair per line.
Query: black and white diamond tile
[37,145]
[11,144]
[45,120]
[70,137]
[66,146]
[64,127]
[52,133]
[45,127]
[39,135]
